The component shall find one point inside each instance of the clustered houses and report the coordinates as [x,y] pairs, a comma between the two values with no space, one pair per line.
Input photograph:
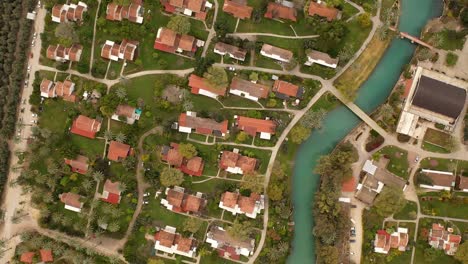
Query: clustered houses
[170,242]
[189,121]
[314,56]
[68,12]
[178,200]
[252,126]
[193,8]
[384,241]
[238,8]
[322,10]
[193,166]
[45,256]
[132,12]
[125,51]
[118,151]
[233,51]
[79,164]
[233,162]
[170,41]
[72,201]
[111,192]
[439,238]
[285,90]
[85,126]
[59,89]
[248,89]
[237,204]
[62,54]
[201,86]
[228,246]
[276,53]
[127,114]
[282,11]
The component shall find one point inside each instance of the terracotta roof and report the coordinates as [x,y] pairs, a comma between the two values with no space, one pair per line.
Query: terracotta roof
[202,125]
[194,164]
[186,42]
[112,187]
[183,244]
[106,50]
[254,89]
[195,5]
[118,151]
[282,53]
[252,125]
[75,52]
[231,49]
[239,10]
[56,10]
[463,182]
[133,12]
[318,55]
[51,52]
[229,199]
[125,110]
[27,257]
[175,198]
[322,10]
[286,88]
[192,203]
[167,37]
[85,126]
[71,199]
[60,51]
[247,204]
[231,159]
[197,83]
[79,164]
[441,179]
[349,185]
[279,11]
[174,157]
[113,11]
[46,85]
[408,84]
[46,255]
[79,13]
[165,238]
[63,88]
[177,3]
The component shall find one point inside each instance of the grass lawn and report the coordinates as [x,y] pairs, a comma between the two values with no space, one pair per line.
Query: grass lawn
[437,141]
[55,115]
[264,62]
[319,70]
[327,102]
[226,18]
[238,101]
[114,70]
[90,147]
[348,11]
[404,213]
[398,164]
[215,259]
[354,76]
[204,103]
[432,204]
[433,148]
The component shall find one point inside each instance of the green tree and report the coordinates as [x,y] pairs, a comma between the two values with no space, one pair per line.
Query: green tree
[462,253]
[179,24]
[253,76]
[120,137]
[253,183]
[430,254]
[242,137]
[170,177]
[364,20]
[187,150]
[299,133]
[328,255]
[313,119]
[217,77]
[155,261]
[275,191]
[192,224]
[240,230]
[390,200]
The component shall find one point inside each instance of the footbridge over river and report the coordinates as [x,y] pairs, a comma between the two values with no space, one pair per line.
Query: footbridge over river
[413,39]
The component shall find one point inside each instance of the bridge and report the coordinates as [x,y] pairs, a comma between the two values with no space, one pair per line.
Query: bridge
[413,39]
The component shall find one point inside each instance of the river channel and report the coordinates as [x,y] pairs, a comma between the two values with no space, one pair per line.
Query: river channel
[338,123]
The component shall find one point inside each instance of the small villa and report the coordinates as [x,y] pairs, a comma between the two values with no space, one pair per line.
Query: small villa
[286,90]
[444,239]
[321,58]
[68,12]
[238,8]
[276,53]
[227,246]
[249,90]
[85,126]
[124,51]
[133,12]
[178,200]
[118,151]
[199,85]
[193,166]
[79,164]
[170,41]
[72,201]
[384,241]
[127,114]
[189,122]
[253,126]
[235,203]
[168,241]
[111,192]
[63,54]
[63,90]
[197,9]
[282,11]
[322,10]
[233,162]
[437,180]
[233,51]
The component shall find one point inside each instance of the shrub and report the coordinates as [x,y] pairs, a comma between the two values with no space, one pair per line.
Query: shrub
[451,59]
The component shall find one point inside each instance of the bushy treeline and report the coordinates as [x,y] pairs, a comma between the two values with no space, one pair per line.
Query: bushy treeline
[15,34]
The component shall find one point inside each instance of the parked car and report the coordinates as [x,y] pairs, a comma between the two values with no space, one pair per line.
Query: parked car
[352,241]
[33,115]
[146,194]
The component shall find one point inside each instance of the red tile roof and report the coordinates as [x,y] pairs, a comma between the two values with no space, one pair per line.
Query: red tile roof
[118,151]
[193,166]
[27,257]
[463,182]
[71,199]
[46,255]
[229,199]
[79,164]
[349,185]
[322,10]
[231,159]
[192,203]
[408,84]
[285,88]
[85,126]
[197,83]
[165,238]
[279,11]
[228,252]
[239,10]
[184,244]
[113,190]
[252,126]
[202,125]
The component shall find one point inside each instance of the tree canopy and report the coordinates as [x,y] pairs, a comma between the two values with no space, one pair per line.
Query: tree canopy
[179,24]
[389,201]
[240,230]
[313,119]
[170,177]
[192,224]
[298,134]
[217,77]
[462,253]
[187,150]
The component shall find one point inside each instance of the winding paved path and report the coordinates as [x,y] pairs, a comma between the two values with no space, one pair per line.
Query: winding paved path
[246,35]
[211,32]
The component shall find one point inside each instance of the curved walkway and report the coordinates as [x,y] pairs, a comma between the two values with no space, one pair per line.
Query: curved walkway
[358,7]
[211,32]
[240,35]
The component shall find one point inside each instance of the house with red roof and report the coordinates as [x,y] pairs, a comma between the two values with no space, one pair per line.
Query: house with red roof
[228,246]
[440,238]
[233,162]
[439,180]
[384,241]
[118,151]
[85,126]
[64,54]
[27,257]
[252,126]
[127,114]
[178,200]
[280,12]
[235,203]
[249,90]
[199,85]
[63,90]
[197,9]
[276,53]
[168,241]
[462,183]
[133,12]
[68,12]
[46,255]
[111,192]
[72,201]
[193,166]
[238,8]
[126,50]
[170,41]
[285,90]
[189,122]
[322,10]
[79,164]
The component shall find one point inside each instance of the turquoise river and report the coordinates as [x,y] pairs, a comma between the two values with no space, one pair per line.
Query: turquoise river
[414,15]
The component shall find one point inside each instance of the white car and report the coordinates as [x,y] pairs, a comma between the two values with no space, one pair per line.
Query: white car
[145,202]
[33,42]
[29,68]
[146,194]
[34,115]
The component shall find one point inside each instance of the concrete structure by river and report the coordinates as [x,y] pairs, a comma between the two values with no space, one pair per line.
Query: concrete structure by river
[339,122]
